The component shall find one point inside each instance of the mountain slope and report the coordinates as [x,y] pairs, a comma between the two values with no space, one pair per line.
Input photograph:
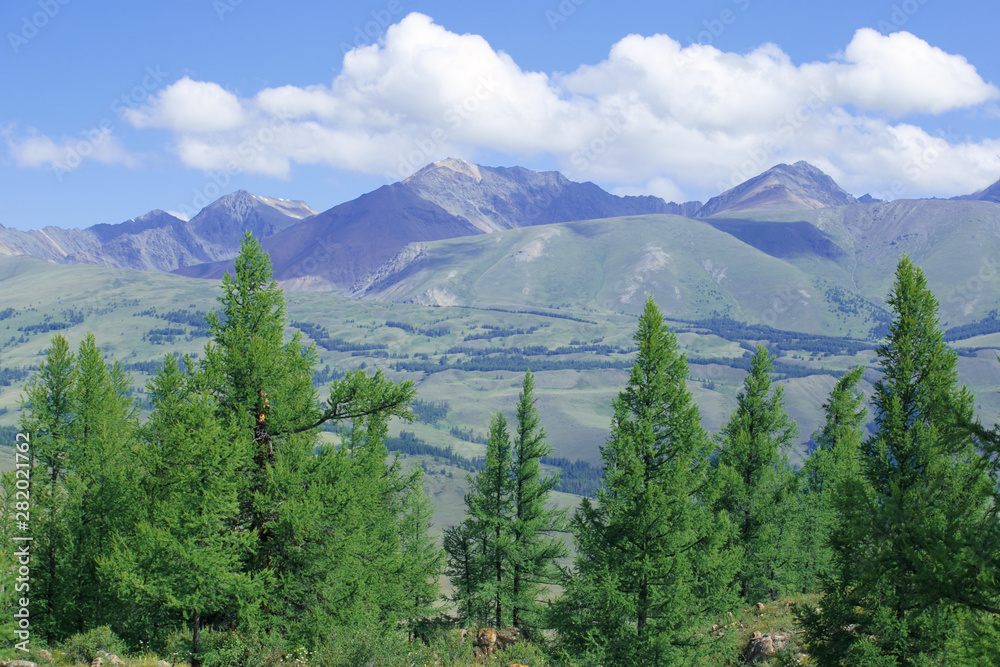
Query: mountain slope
[800,186]
[692,269]
[336,248]
[496,198]
[990,193]
[158,241]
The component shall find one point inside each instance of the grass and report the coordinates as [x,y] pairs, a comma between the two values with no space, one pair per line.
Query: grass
[574,406]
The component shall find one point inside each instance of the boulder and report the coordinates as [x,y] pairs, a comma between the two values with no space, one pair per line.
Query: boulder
[489,640]
[763,646]
[19,663]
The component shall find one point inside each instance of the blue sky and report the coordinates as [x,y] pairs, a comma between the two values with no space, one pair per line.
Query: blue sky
[111,109]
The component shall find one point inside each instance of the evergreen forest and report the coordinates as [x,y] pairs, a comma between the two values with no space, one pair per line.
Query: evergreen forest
[213,526]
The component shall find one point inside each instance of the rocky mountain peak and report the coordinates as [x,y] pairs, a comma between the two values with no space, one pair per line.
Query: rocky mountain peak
[452,165]
[800,186]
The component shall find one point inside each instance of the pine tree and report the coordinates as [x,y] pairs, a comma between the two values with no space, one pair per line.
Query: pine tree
[316,518]
[650,569]
[47,421]
[757,481]
[836,458]
[917,529]
[184,555]
[534,545]
[491,512]
[101,485]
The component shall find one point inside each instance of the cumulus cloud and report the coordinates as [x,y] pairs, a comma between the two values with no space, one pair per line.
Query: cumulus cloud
[654,116]
[190,106]
[68,153]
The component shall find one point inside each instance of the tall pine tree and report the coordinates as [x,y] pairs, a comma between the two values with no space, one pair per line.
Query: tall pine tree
[184,556]
[757,482]
[835,460]
[650,569]
[535,545]
[918,528]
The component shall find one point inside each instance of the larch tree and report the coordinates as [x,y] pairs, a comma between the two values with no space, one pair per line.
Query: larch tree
[101,484]
[757,484]
[836,459]
[299,505]
[534,542]
[490,508]
[47,419]
[650,568]
[916,543]
[184,556]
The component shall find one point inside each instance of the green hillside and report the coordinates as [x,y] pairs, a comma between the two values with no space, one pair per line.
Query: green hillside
[471,359]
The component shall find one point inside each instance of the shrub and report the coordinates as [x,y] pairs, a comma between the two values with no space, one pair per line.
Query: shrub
[84,647]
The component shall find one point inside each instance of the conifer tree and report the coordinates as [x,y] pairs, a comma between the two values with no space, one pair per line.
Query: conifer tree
[491,512]
[534,544]
[183,555]
[101,484]
[836,458]
[650,568]
[47,421]
[917,530]
[757,482]
[306,511]
[464,571]
[423,559]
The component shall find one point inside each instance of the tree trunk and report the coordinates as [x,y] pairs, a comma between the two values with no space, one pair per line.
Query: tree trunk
[195,640]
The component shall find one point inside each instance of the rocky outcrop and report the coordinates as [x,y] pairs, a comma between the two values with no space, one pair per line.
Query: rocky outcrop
[488,641]
[762,646]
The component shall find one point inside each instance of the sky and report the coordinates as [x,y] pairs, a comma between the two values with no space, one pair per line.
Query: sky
[109,110]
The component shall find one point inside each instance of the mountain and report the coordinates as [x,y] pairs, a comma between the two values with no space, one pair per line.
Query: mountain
[496,198]
[158,241]
[340,248]
[800,186]
[334,249]
[991,193]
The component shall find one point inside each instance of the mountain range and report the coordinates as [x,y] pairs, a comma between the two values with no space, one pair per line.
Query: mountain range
[788,242]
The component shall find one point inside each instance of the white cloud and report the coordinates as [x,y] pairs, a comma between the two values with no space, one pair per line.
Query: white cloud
[652,117]
[901,73]
[190,106]
[68,153]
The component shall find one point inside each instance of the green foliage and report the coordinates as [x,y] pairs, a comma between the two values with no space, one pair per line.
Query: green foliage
[915,549]
[534,545]
[84,647]
[184,556]
[650,569]
[835,461]
[503,554]
[756,483]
